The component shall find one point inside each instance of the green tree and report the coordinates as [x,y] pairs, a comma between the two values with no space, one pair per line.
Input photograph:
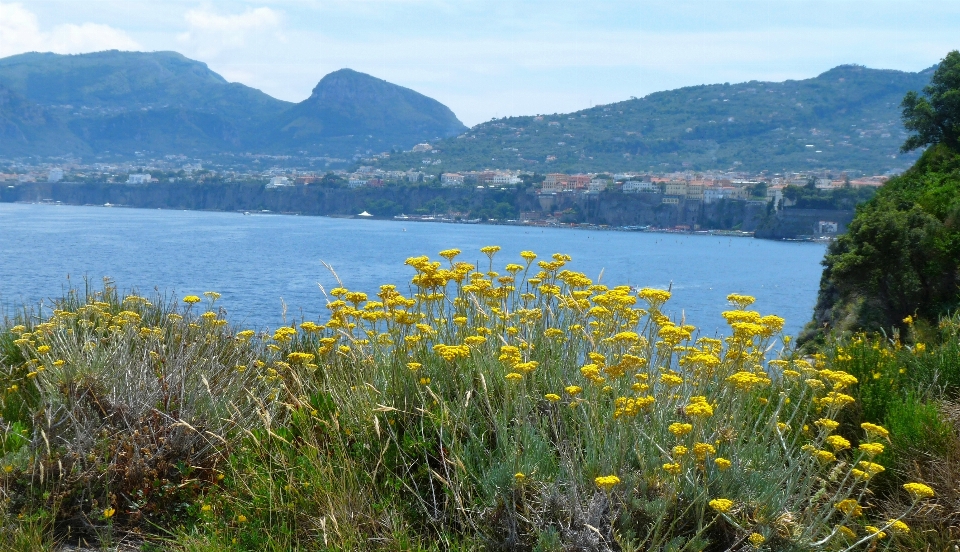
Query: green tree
[935,117]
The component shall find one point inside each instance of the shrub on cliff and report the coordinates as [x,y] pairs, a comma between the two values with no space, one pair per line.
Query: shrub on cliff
[901,256]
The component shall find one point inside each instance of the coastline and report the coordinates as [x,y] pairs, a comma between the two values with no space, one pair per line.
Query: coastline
[450,220]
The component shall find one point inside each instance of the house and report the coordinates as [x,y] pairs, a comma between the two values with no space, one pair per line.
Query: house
[139,178]
[506,180]
[637,186]
[695,191]
[554,182]
[578,181]
[675,188]
[598,185]
[451,179]
[55,175]
[422,147]
[279,182]
[775,194]
[356,181]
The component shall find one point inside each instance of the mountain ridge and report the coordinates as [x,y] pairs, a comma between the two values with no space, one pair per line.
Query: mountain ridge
[162,102]
[165,102]
[845,118]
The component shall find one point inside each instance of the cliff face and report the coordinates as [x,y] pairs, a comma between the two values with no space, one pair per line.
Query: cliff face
[901,255]
[613,209]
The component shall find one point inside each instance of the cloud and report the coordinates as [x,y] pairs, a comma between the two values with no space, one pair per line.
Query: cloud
[210,33]
[21,32]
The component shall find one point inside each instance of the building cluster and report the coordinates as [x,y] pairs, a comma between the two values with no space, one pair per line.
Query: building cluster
[706,189]
[282,172]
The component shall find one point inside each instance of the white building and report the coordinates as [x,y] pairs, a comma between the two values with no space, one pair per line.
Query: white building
[279,182]
[422,147]
[597,185]
[55,175]
[451,179]
[637,186]
[506,180]
[356,182]
[139,178]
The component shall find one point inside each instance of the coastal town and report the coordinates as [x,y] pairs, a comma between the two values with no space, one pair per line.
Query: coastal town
[678,201]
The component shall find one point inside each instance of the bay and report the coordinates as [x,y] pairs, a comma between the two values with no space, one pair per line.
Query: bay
[268,267]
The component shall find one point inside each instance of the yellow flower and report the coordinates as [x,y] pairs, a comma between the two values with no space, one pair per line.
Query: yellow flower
[449,254]
[898,526]
[607,482]
[514,377]
[108,513]
[241,518]
[824,456]
[908,320]
[191,299]
[847,532]
[424,381]
[7,469]
[673,468]
[874,430]
[205,508]
[43,349]
[827,424]
[721,505]
[552,397]
[698,407]
[722,463]
[875,531]
[756,539]
[528,256]
[519,476]
[573,390]
[918,490]
[837,442]
[870,467]
[680,429]
[871,449]
[414,366]
[701,450]
[849,507]
[679,450]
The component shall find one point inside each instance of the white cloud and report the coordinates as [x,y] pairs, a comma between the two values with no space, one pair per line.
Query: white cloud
[210,33]
[20,32]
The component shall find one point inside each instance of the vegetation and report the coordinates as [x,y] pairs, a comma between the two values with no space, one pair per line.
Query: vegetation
[845,118]
[809,197]
[521,409]
[162,102]
[901,255]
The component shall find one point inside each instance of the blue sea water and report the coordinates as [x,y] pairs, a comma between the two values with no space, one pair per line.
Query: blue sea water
[261,263]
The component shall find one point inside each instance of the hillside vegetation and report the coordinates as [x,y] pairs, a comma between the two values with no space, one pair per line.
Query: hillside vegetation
[845,118]
[522,408]
[900,259]
[163,102]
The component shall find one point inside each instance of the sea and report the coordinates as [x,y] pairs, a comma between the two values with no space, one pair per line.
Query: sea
[273,269]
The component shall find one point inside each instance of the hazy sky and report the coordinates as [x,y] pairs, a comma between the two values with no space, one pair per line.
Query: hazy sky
[491,58]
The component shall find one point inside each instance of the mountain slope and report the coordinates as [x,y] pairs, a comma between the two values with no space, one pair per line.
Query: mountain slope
[112,81]
[349,110]
[26,127]
[128,101]
[845,118]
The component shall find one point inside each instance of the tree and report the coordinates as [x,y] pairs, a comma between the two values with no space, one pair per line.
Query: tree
[935,118]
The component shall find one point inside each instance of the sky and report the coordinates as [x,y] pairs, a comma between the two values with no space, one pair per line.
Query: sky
[493,58]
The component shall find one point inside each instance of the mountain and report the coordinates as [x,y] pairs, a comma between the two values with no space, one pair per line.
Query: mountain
[125,101]
[845,118]
[26,126]
[348,108]
[163,102]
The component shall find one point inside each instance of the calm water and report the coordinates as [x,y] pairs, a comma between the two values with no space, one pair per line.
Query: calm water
[260,262]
